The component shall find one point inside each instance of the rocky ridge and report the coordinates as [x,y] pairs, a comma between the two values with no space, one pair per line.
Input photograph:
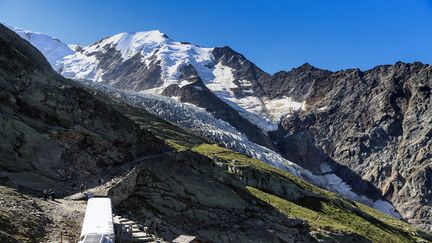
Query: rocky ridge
[378,124]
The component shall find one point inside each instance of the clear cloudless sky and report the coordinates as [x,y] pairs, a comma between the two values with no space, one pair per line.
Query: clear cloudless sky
[274,34]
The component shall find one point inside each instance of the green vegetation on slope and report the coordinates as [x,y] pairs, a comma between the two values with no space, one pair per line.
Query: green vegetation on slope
[328,216]
[238,159]
[323,210]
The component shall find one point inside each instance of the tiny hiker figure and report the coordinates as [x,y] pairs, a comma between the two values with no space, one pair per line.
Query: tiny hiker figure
[100,181]
[45,192]
[82,188]
[51,194]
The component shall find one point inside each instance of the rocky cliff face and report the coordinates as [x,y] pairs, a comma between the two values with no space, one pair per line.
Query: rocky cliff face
[296,83]
[376,123]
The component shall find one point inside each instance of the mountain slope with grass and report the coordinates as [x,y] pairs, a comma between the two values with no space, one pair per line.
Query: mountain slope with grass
[58,133]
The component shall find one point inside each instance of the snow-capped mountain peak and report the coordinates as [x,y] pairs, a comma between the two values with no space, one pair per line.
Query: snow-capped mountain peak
[149,61]
[147,49]
[129,44]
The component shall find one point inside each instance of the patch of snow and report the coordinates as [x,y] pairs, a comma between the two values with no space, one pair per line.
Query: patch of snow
[276,108]
[323,108]
[261,111]
[86,68]
[385,207]
[183,83]
[223,82]
[250,107]
[176,98]
[324,167]
[334,183]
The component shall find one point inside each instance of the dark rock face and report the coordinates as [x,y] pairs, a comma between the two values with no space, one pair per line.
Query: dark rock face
[376,123]
[243,70]
[296,83]
[130,74]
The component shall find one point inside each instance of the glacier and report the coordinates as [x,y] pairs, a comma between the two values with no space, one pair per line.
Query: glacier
[205,125]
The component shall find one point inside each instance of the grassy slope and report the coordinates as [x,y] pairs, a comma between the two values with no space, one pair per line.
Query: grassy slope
[325,212]
[328,216]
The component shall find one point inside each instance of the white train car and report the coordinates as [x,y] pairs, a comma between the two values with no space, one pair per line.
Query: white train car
[98,226]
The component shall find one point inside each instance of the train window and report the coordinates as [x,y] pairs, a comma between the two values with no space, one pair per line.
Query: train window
[93,238]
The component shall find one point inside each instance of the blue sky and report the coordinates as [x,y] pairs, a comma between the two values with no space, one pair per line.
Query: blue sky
[276,35]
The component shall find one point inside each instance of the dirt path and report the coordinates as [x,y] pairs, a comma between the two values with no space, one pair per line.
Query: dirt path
[316,219]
